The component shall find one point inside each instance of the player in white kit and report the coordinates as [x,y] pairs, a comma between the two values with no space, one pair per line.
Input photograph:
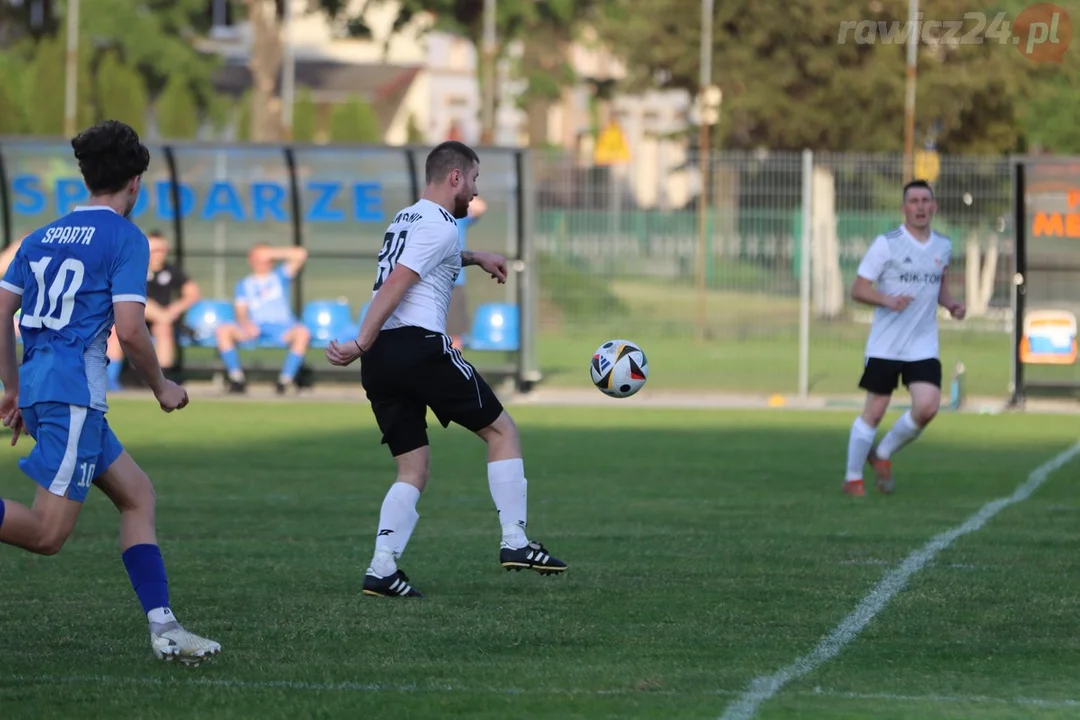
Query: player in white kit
[410,365]
[909,266]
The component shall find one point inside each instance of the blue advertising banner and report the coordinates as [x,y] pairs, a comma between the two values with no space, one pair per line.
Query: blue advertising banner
[330,202]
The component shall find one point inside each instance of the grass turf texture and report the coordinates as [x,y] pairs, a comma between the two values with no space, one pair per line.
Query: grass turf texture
[705,549]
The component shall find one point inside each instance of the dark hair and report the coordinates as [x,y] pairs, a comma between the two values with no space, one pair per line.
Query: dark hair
[917,184]
[110,155]
[154,232]
[447,156]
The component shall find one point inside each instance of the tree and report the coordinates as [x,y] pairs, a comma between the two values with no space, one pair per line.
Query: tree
[243,117]
[159,37]
[545,27]
[354,121]
[12,73]
[121,93]
[305,118]
[44,95]
[264,62]
[413,134]
[177,115]
[789,82]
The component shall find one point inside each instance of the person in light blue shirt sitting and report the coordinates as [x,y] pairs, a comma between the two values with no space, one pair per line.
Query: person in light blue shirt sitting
[457,319]
[264,313]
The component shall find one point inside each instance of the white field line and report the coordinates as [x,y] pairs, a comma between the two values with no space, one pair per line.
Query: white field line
[186,679]
[764,687]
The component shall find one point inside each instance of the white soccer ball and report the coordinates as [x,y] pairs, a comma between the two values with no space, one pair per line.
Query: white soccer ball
[619,368]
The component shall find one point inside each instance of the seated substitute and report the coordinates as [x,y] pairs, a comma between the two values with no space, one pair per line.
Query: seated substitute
[263,313]
[170,293]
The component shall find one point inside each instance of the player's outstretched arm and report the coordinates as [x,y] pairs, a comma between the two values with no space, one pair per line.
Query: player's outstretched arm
[135,340]
[489,262]
[382,306]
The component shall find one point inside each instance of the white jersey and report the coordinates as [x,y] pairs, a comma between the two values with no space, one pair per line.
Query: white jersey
[424,238]
[901,265]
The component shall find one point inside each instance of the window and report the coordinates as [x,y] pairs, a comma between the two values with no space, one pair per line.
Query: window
[222,19]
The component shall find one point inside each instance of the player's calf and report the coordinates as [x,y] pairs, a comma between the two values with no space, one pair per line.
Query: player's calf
[299,339]
[22,527]
[228,334]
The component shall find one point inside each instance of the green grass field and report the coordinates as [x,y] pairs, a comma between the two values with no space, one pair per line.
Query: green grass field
[706,549]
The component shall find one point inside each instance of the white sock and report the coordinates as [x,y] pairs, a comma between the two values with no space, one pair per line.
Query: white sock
[904,431]
[159,617]
[509,490]
[236,375]
[397,520]
[862,438]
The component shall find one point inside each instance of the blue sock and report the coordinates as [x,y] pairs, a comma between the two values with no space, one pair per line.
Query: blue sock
[113,372]
[147,572]
[231,358]
[292,364]
[1,512]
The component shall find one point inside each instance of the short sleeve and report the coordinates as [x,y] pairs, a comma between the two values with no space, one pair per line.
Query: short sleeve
[876,258]
[179,277]
[127,278]
[282,271]
[427,245]
[240,294]
[15,276]
[462,224]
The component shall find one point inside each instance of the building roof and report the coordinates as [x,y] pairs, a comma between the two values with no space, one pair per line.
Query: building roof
[384,86]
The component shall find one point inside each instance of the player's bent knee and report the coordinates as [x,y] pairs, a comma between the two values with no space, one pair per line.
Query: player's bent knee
[874,409]
[51,542]
[414,467]
[923,414]
[225,334]
[502,437]
[127,486]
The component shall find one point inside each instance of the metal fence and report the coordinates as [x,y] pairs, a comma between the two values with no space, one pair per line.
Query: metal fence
[735,308]
[334,201]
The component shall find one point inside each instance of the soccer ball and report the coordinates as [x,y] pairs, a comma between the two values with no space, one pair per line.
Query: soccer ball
[619,368]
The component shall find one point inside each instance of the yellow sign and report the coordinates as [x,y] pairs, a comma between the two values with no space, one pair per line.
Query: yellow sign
[611,147]
[927,165]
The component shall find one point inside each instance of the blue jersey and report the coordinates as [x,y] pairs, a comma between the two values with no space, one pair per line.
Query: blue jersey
[69,274]
[462,223]
[267,297]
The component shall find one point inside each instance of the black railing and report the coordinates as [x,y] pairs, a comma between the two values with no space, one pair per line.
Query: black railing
[216,200]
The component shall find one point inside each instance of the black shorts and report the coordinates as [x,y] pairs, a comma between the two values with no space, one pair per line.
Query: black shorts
[880,376]
[409,370]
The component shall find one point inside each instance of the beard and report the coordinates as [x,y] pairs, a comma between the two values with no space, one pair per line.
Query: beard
[461,207]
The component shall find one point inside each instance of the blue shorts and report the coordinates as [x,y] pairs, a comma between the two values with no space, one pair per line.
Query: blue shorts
[274,333]
[74,446]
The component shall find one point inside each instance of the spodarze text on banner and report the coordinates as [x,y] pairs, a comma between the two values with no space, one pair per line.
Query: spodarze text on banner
[323,201]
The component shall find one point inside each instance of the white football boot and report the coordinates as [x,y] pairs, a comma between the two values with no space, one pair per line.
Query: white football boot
[183,646]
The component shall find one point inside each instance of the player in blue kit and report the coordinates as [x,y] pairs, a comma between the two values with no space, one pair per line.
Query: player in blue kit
[263,313]
[73,279]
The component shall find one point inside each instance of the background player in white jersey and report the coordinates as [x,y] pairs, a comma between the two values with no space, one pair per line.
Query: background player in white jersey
[909,266]
[409,365]
[74,279]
